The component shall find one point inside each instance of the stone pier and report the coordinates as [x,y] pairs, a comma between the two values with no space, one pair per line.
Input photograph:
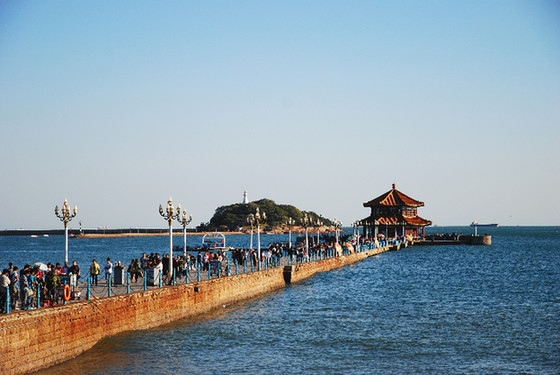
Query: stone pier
[36,339]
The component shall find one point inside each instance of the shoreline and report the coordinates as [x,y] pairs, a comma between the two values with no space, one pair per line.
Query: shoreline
[144,232]
[110,235]
[129,234]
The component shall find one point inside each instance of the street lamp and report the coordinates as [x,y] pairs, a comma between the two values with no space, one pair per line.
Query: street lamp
[184,221]
[258,218]
[337,226]
[305,221]
[169,215]
[358,224]
[65,215]
[251,220]
[290,223]
[318,224]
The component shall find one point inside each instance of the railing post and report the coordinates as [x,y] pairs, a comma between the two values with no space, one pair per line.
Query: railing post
[128,283]
[109,286]
[227,265]
[198,272]
[160,278]
[88,296]
[187,275]
[174,275]
[38,295]
[145,281]
[236,268]
[7,300]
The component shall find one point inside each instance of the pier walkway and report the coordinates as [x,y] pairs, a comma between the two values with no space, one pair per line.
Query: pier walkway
[85,290]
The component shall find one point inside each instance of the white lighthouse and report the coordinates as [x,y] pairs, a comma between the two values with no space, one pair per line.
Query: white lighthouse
[245,198]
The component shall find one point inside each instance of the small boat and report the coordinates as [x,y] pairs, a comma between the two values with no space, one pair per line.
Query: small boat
[34,236]
[476,224]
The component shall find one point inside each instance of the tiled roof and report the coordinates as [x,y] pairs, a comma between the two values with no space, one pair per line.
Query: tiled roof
[398,220]
[394,198]
[418,221]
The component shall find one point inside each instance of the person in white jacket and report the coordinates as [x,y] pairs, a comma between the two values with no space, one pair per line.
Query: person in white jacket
[108,269]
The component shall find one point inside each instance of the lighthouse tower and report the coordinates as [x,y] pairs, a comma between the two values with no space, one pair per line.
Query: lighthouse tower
[245,198]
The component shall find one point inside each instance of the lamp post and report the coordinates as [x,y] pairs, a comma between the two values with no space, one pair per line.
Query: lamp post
[170,215]
[305,221]
[251,221]
[65,215]
[337,226]
[184,221]
[359,223]
[318,224]
[258,218]
[290,223]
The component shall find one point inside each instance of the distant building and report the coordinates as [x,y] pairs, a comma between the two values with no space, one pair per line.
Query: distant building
[394,214]
[245,198]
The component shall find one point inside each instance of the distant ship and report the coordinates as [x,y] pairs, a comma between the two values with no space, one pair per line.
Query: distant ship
[474,223]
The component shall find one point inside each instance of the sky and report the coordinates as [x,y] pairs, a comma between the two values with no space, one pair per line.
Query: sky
[119,105]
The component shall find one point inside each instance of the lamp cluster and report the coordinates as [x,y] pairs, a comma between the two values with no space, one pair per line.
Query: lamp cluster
[253,219]
[65,215]
[180,215]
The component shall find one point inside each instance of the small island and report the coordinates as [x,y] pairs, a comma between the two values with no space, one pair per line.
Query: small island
[233,218]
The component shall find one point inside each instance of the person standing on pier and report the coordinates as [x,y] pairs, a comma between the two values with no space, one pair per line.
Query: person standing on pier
[108,269]
[14,283]
[75,270]
[4,284]
[94,270]
[24,288]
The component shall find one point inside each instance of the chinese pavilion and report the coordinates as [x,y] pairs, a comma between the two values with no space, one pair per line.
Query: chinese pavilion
[394,214]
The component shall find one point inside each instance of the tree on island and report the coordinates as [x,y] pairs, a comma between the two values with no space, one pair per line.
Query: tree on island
[234,216]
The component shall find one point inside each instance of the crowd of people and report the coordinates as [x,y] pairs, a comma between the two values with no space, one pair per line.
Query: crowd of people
[23,286]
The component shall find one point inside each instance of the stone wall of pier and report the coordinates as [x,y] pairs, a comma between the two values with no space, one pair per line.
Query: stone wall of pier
[36,339]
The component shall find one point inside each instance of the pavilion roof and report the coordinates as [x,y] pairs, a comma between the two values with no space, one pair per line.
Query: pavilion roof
[398,220]
[394,198]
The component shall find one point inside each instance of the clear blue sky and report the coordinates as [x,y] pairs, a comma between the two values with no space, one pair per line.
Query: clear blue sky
[117,105]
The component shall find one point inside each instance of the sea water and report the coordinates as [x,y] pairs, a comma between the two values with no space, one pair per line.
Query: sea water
[425,310]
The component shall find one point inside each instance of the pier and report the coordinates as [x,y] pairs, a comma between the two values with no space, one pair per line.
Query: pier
[65,331]
[40,338]
[453,239]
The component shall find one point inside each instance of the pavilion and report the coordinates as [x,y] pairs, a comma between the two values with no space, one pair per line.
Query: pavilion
[394,214]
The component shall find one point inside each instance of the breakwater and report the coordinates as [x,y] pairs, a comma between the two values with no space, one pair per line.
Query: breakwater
[100,232]
[452,239]
[36,339]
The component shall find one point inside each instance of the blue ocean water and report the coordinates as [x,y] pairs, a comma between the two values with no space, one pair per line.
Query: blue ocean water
[434,309]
